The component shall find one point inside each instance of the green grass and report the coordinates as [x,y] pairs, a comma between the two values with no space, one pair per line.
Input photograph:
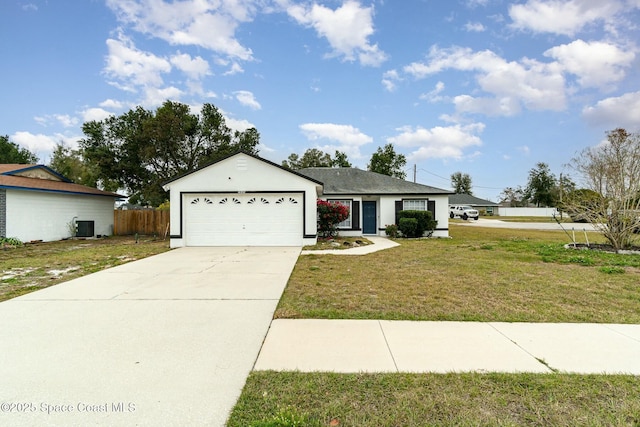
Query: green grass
[471,399]
[31,267]
[481,274]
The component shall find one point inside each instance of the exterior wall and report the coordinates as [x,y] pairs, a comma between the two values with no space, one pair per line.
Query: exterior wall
[239,174]
[3,213]
[386,212]
[35,215]
[442,215]
[541,212]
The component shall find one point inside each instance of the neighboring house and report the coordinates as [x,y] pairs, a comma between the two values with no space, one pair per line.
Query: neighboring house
[37,203]
[486,207]
[374,200]
[243,200]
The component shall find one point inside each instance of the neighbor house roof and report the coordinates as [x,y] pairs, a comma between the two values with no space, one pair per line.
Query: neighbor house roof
[357,181]
[43,178]
[467,199]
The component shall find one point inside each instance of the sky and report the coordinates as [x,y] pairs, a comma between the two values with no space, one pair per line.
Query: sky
[489,88]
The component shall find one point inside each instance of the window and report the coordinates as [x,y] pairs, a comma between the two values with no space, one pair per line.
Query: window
[347,222]
[414,205]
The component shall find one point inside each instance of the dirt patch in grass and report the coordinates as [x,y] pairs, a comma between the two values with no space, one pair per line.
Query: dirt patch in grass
[363,400]
[30,267]
[481,274]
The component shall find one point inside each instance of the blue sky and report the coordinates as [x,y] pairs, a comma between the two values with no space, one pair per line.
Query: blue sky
[484,87]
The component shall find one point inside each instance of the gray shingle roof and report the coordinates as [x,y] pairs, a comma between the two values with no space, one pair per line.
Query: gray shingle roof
[466,199]
[357,181]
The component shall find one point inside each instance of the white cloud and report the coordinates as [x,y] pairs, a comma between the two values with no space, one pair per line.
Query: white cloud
[132,67]
[34,142]
[439,142]
[474,27]
[561,16]
[96,114]
[622,111]
[194,68]
[529,83]
[208,24]
[234,69]
[389,80]
[247,99]
[43,145]
[111,103]
[66,120]
[597,64]
[153,97]
[30,7]
[347,29]
[434,95]
[239,125]
[347,138]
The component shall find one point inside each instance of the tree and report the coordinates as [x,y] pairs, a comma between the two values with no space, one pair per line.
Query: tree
[612,172]
[541,185]
[140,149]
[340,160]
[69,163]
[514,196]
[461,183]
[10,152]
[387,162]
[315,158]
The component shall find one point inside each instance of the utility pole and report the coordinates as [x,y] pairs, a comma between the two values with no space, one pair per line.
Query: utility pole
[414,172]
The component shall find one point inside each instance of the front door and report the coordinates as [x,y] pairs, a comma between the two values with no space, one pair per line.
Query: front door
[369,215]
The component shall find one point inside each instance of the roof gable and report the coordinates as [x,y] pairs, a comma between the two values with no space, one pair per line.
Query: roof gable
[32,171]
[43,178]
[357,181]
[239,154]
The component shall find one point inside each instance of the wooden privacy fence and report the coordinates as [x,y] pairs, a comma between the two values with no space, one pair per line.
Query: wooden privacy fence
[144,221]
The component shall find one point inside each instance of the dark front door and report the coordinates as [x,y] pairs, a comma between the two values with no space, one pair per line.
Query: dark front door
[369,225]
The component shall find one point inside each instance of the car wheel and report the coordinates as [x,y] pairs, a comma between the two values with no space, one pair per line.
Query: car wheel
[465,217]
[451,215]
[476,218]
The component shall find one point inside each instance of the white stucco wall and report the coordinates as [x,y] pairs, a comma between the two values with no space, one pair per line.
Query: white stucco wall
[36,215]
[386,212]
[238,174]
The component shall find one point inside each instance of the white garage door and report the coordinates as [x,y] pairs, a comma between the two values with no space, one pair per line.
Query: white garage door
[263,219]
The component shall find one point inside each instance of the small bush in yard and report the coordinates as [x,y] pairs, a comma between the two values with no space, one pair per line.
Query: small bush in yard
[408,227]
[424,219]
[391,230]
[329,216]
[10,242]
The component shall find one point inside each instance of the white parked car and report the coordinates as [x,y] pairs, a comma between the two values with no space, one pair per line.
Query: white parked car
[463,211]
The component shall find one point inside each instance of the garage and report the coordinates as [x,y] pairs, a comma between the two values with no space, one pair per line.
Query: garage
[228,219]
[243,200]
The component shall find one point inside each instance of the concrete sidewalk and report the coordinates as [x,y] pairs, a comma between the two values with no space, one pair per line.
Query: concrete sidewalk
[405,346]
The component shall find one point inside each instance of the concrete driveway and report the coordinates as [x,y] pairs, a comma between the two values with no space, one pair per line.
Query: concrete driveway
[167,340]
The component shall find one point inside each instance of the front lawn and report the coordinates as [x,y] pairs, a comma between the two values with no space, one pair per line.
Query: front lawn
[481,274]
[274,399]
[31,267]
